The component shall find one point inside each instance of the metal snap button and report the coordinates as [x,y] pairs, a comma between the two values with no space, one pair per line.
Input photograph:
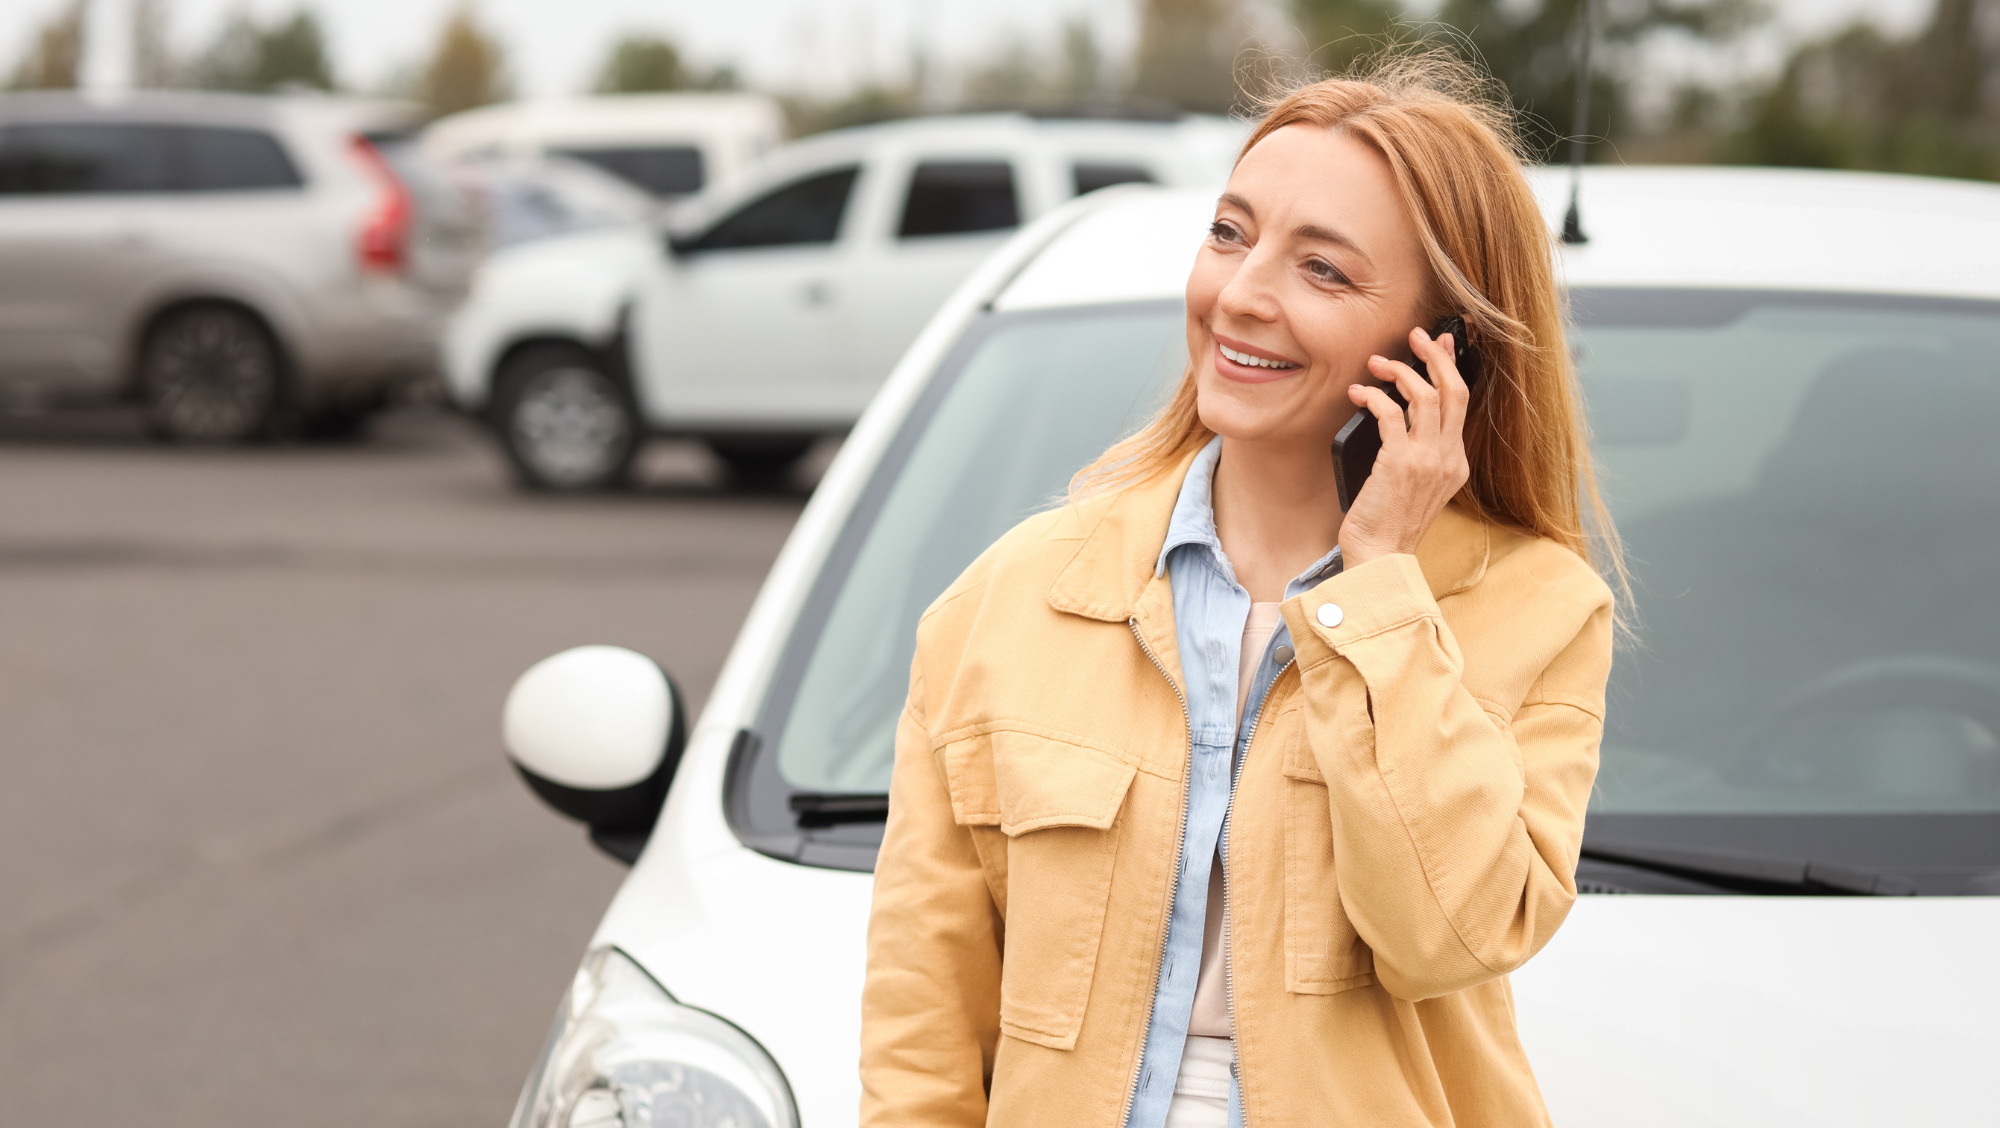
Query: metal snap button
[1330,614]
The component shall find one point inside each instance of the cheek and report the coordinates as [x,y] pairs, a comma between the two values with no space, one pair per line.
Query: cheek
[1205,283]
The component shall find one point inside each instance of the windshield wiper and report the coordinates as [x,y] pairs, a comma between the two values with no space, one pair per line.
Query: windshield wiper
[1751,873]
[819,809]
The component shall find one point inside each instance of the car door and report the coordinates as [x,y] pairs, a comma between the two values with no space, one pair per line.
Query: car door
[953,211]
[736,333]
[76,246]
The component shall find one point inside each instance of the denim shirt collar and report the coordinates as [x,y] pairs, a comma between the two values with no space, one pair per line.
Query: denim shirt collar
[1193,522]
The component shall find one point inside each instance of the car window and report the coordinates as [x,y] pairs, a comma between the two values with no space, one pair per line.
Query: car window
[1089,176]
[803,212]
[1809,490]
[959,197]
[1037,398]
[68,158]
[211,159]
[1808,487]
[663,170]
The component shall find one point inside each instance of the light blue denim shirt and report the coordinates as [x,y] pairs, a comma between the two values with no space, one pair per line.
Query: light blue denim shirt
[1210,610]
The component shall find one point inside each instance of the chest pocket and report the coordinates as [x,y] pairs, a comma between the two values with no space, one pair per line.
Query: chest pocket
[1056,807]
[1324,955]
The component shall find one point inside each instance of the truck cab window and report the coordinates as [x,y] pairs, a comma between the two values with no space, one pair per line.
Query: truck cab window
[801,213]
[959,197]
[1092,175]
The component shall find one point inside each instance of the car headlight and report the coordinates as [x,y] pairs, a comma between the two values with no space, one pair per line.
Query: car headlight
[624,1054]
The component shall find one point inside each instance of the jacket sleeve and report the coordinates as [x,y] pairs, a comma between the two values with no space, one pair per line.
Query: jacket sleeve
[930,1010]
[1456,825]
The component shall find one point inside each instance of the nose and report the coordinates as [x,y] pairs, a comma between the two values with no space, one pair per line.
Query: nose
[1252,292]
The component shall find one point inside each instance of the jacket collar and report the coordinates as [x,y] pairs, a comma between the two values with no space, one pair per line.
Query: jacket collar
[1111,569]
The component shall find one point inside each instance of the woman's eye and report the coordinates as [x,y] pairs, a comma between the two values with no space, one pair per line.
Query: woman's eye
[1224,232]
[1326,271]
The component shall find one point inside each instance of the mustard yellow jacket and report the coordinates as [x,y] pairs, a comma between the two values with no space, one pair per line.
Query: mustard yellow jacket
[1404,831]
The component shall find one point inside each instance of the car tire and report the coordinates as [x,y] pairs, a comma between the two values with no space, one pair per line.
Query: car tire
[759,461]
[210,374]
[567,424]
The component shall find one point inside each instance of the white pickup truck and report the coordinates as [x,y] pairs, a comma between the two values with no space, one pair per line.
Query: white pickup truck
[770,309]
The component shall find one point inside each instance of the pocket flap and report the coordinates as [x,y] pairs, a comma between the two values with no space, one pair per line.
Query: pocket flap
[1025,782]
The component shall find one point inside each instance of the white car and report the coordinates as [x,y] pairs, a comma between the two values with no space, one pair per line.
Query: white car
[776,308]
[1789,915]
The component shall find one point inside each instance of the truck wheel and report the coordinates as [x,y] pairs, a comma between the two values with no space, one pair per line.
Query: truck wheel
[209,374]
[759,461]
[566,424]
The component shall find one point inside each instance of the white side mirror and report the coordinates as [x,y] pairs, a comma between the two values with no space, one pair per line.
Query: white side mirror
[597,732]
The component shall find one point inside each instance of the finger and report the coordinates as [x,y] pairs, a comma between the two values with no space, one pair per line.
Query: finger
[1421,396]
[1454,394]
[1388,415]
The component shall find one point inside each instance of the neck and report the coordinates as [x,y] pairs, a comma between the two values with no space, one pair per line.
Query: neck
[1277,510]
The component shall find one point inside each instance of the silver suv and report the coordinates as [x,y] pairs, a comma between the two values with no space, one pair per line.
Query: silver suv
[240,265]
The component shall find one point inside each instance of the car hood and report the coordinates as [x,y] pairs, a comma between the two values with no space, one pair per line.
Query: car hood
[1644,1010]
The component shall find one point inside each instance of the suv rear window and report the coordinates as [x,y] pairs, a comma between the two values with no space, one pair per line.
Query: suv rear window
[91,158]
[959,197]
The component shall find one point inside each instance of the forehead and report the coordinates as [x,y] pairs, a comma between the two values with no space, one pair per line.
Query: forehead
[1303,174]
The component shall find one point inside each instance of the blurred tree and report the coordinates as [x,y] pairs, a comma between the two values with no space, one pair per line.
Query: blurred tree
[1860,98]
[247,55]
[153,63]
[1338,32]
[466,68]
[1530,46]
[1082,74]
[1187,53]
[642,63]
[55,54]
[1019,73]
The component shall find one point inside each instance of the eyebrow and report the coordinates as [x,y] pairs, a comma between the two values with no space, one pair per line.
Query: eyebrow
[1310,231]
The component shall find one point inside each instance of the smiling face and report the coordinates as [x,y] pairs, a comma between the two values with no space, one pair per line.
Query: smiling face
[1312,265]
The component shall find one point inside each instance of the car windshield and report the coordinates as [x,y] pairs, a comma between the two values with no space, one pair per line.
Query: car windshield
[1808,487]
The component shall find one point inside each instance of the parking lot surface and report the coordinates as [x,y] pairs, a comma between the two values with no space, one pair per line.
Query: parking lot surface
[261,859]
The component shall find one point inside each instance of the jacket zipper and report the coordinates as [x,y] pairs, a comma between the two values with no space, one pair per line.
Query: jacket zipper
[1228,810]
[1174,875]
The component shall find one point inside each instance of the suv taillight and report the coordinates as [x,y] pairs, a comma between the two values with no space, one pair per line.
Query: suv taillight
[384,237]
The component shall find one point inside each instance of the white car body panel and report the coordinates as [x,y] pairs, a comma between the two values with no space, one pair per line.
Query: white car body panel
[569,287]
[1645,1010]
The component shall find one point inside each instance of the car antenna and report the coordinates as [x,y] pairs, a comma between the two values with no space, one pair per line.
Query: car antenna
[1573,221]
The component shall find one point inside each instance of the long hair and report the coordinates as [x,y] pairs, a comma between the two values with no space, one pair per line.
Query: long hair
[1456,158]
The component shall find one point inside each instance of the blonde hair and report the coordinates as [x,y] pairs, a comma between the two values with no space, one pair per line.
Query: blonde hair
[1452,148]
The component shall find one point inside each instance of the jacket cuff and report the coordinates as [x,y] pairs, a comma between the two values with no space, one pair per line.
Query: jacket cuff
[1358,603]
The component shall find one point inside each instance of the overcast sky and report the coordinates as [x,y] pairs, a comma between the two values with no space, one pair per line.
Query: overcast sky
[556,46]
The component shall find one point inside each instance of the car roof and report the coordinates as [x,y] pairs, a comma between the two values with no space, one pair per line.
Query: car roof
[190,107]
[1732,228]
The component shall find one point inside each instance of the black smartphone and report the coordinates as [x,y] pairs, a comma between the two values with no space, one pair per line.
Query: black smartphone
[1357,444]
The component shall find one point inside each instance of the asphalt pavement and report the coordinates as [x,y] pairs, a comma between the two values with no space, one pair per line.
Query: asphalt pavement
[261,859]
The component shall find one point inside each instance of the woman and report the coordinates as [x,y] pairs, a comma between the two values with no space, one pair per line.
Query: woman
[1214,803]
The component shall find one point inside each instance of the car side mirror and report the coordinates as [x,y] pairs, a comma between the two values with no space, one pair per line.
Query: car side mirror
[597,732]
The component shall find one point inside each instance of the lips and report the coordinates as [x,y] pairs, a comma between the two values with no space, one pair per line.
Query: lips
[1245,363]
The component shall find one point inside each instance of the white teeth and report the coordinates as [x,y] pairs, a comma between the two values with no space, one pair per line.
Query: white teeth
[1254,361]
